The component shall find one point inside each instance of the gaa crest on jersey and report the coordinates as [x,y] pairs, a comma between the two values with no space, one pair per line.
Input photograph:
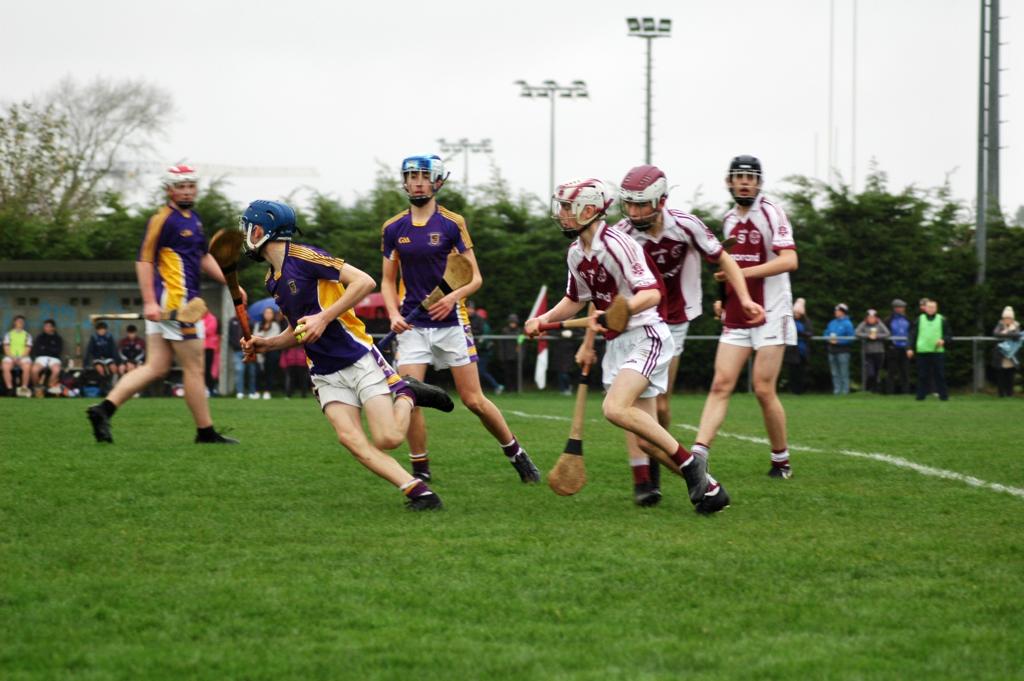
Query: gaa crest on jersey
[638,269]
[755,237]
[677,250]
[435,238]
[293,287]
[783,230]
[185,233]
[602,276]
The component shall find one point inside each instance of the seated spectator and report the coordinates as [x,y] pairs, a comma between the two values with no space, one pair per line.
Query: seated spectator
[47,350]
[873,332]
[17,350]
[840,341]
[101,355]
[1004,355]
[131,350]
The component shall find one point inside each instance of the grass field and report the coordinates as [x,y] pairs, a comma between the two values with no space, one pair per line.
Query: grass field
[283,559]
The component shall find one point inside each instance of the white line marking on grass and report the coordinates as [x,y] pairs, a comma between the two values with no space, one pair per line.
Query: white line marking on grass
[897,461]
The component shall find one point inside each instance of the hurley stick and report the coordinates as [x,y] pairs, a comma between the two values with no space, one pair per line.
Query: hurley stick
[189,313]
[615,318]
[569,474]
[226,249]
[458,272]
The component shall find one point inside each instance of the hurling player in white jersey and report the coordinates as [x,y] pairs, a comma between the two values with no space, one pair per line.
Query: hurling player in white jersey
[767,253]
[603,264]
[675,242]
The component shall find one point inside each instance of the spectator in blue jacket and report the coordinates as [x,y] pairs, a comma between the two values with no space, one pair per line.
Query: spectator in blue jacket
[896,361]
[101,355]
[840,334]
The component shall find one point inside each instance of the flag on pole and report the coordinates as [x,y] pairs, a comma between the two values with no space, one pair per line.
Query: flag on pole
[540,373]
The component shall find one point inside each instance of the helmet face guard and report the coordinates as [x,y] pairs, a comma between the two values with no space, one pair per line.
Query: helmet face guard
[643,185]
[744,166]
[433,166]
[573,198]
[275,218]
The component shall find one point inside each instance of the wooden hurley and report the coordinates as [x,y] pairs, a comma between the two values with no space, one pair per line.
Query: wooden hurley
[458,272]
[189,313]
[226,249]
[615,318]
[569,474]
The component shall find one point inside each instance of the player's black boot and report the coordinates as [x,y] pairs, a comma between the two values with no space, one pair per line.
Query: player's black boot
[429,396]
[696,476]
[212,437]
[646,494]
[100,423]
[713,501]
[780,472]
[424,502]
[524,466]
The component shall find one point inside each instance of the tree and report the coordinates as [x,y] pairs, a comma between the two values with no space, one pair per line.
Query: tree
[34,159]
[104,122]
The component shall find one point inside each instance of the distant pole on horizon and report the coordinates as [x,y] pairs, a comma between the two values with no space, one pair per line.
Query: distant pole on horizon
[550,89]
[648,29]
[831,83]
[464,146]
[853,106]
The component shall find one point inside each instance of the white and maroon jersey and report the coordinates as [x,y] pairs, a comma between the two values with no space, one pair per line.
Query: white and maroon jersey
[761,235]
[676,253]
[615,266]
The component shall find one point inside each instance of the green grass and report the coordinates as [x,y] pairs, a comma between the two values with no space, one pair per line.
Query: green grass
[284,559]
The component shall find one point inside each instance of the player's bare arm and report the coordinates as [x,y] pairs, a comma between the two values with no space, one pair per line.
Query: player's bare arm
[358,285]
[389,290]
[565,309]
[144,274]
[786,261]
[734,274]
[443,307]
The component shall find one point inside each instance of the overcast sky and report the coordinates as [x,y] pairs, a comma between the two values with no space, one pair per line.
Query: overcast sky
[343,87]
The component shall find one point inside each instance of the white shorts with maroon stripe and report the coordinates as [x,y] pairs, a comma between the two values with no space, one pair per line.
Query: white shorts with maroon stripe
[647,350]
[679,336]
[781,331]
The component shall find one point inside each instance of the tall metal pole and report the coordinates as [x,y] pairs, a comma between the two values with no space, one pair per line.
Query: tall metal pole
[982,198]
[551,166]
[647,153]
[992,180]
[831,78]
[853,107]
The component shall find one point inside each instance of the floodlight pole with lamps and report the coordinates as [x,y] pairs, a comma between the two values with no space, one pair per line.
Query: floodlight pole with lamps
[648,28]
[551,89]
[465,146]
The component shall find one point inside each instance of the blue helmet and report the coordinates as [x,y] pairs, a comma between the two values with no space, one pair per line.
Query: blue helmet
[434,166]
[277,220]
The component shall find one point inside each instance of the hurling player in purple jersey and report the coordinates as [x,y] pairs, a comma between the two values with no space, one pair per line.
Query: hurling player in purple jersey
[605,264]
[416,244]
[316,293]
[172,255]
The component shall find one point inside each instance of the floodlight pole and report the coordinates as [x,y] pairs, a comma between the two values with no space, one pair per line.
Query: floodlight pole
[464,146]
[648,29]
[552,89]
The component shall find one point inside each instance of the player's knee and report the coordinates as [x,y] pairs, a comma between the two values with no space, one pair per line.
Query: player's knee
[388,441]
[613,412]
[722,386]
[475,402]
[764,390]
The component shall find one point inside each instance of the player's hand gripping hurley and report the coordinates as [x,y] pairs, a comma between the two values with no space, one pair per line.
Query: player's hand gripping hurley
[458,272]
[615,318]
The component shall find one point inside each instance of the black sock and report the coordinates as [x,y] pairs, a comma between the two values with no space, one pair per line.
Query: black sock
[206,433]
[108,408]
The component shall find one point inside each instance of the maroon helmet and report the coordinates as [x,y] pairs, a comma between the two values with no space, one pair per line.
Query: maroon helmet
[644,184]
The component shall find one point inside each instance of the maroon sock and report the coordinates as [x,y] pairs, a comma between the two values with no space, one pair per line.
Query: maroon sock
[641,474]
[681,457]
[512,448]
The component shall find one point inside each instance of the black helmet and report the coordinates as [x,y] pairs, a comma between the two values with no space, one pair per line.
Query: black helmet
[745,165]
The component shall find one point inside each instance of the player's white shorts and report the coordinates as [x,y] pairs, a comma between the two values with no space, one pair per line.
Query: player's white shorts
[444,347]
[679,336]
[47,362]
[354,385]
[176,331]
[781,331]
[645,349]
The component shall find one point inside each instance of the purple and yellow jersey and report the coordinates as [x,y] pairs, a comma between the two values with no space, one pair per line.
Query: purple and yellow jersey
[175,244]
[308,283]
[422,253]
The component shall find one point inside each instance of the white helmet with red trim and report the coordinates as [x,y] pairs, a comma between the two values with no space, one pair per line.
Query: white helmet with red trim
[576,196]
[644,184]
[180,174]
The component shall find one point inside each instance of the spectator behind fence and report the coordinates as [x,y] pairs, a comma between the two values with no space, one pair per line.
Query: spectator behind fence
[508,351]
[873,332]
[929,337]
[1004,354]
[211,353]
[840,342]
[47,351]
[295,370]
[798,356]
[101,356]
[17,355]
[245,372]
[268,361]
[897,367]
[131,350]
[480,327]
